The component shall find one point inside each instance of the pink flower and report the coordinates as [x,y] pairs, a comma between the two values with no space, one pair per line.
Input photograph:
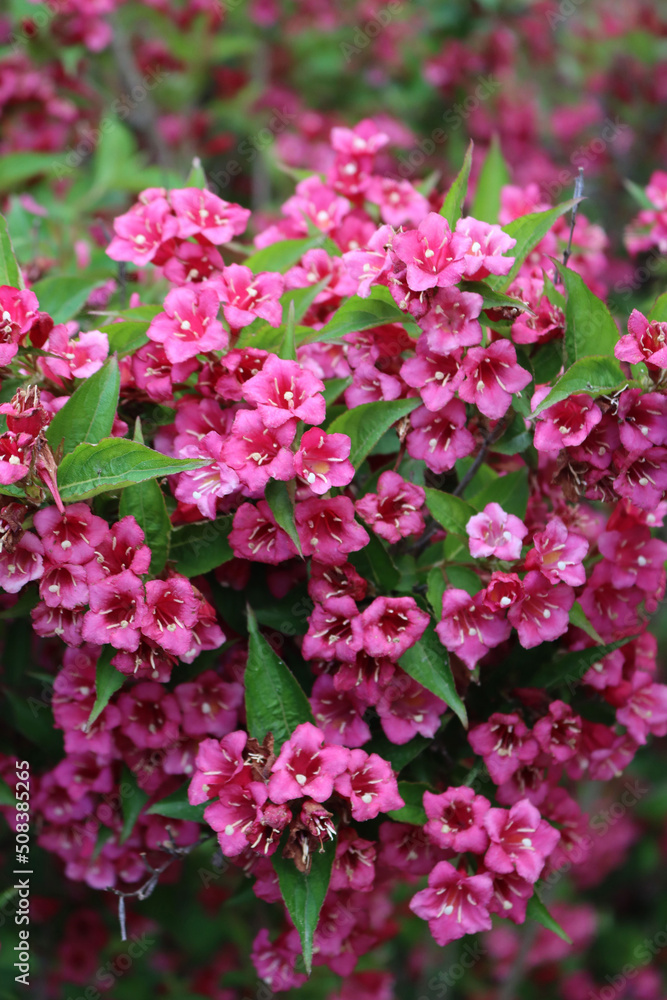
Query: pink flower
[330,635]
[154,372]
[169,613]
[492,375]
[371,265]
[14,457]
[203,487]
[318,203]
[233,815]
[354,866]
[439,439]
[454,904]
[645,342]
[542,613]
[645,707]
[389,626]
[335,581]
[284,391]
[188,326]
[275,963]
[504,743]
[116,611]
[63,586]
[259,453]
[436,376]
[305,767]
[255,535]
[400,203]
[199,212]
[496,533]
[638,558]
[209,705]
[503,589]
[22,565]
[468,628]
[393,512]
[322,460]
[567,423]
[141,232]
[339,714]
[510,896]
[218,763]
[121,548]
[370,784]
[245,296]
[489,243]
[434,257]
[521,840]
[150,716]
[642,419]
[558,554]
[455,819]
[70,537]
[642,477]
[452,320]
[327,529]
[406,709]
[19,310]
[559,732]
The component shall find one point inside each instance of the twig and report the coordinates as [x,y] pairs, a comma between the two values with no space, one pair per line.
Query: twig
[578,192]
[490,438]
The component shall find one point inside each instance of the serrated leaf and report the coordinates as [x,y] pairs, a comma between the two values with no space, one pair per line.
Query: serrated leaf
[113,464]
[455,197]
[528,231]
[89,413]
[412,793]
[132,800]
[453,513]
[579,620]
[145,502]
[590,327]
[493,176]
[126,337]
[108,680]
[594,375]
[358,314]
[366,424]
[64,296]
[536,910]
[10,272]
[428,663]
[510,491]
[277,496]
[304,894]
[198,548]
[177,806]
[274,700]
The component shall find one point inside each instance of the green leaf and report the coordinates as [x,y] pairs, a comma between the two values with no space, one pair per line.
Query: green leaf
[89,413]
[132,799]
[10,272]
[536,910]
[113,464]
[302,298]
[453,203]
[451,512]
[277,496]
[374,562]
[595,375]
[17,168]
[579,620]
[358,314]
[274,700]
[126,337]
[428,662]
[658,313]
[590,327]
[366,424]
[493,176]
[145,502]
[515,439]
[464,578]
[197,177]
[412,793]
[177,806]
[7,797]
[398,756]
[143,314]
[288,349]
[528,231]
[494,299]
[435,589]
[572,666]
[333,387]
[304,894]
[108,680]
[200,547]
[64,296]
[281,256]
[639,194]
[510,491]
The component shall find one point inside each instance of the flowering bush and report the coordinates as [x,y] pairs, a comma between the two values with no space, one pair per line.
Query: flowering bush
[330,544]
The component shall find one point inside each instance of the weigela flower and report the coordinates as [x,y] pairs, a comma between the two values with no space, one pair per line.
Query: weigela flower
[73,358]
[233,816]
[327,529]
[372,264]
[284,391]
[116,611]
[389,626]
[642,477]
[441,438]
[205,486]
[406,709]
[70,537]
[121,548]
[339,714]
[642,419]
[255,535]
[354,865]
[452,321]
[330,635]
[504,743]
[542,613]
[433,255]
[437,376]
[306,767]
[335,581]
[644,341]
[169,612]
[400,203]
[558,554]
[22,564]
[468,627]
[150,715]
[495,533]
[19,310]
[370,784]
[510,895]
[245,296]
[559,732]
[491,376]
[218,763]
[199,212]
[489,244]
[140,233]
[567,423]
[503,589]
[257,452]
[63,586]
[318,203]
[188,326]
[394,511]
[322,460]
[643,708]
[455,904]
[455,819]
[521,840]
